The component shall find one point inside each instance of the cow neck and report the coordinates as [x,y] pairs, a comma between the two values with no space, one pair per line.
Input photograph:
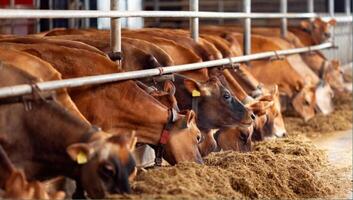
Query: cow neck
[52,132]
[131,108]
[160,148]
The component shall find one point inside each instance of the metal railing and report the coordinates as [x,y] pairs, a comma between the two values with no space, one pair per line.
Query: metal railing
[106,78]
[194,15]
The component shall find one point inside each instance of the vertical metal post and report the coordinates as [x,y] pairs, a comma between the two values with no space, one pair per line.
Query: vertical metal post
[310,7]
[12,6]
[220,4]
[156,7]
[194,21]
[331,7]
[247,28]
[37,22]
[115,30]
[86,22]
[347,4]
[50,20]
[127,20]
[284,9]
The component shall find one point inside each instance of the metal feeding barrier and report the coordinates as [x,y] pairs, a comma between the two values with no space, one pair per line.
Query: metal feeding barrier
[194,16]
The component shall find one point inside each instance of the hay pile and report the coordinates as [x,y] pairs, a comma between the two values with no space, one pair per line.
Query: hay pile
[340,119]
[285,168]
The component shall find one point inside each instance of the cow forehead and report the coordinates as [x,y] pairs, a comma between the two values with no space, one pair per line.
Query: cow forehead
[210,88]
[111,149]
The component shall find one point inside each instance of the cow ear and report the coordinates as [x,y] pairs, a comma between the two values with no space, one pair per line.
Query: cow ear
[55,185]
[190,117]
[305,24]
[16,182]
[169,87]
[80,152]
[193,87]
[332,22]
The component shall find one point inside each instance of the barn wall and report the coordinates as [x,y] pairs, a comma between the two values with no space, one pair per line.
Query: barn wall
[343,39]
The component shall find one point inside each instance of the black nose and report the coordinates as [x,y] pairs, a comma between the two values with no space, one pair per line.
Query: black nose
[285,134]
[253,116]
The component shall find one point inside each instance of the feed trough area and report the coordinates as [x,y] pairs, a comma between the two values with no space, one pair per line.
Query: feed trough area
[154,99]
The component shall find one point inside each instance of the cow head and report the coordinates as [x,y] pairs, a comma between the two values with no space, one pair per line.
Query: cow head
[304,102]
[235,138]
[332,74]
[319,29]
[106,164]
[324,95]
[182,144]
[269,121]
[212,99]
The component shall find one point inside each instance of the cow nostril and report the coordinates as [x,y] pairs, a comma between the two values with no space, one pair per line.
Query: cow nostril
[199,139]
[253,116]
[285,134]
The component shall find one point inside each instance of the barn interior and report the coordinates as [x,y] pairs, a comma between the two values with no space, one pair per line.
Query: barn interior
[177,99]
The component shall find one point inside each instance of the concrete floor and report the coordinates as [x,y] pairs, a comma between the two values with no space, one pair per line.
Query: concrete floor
[338,146]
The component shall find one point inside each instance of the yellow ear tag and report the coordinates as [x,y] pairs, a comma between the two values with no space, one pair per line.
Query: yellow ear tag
[196,93]
[81,158]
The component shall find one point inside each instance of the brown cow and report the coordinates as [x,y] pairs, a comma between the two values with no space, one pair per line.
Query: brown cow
[58,143]
[318,30]
[325,69]
[42,70]
[305,99]
[205,119]
[269,121]
[125,106]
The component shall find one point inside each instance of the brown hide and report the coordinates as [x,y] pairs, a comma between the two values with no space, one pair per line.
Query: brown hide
[49,145]
[118,107]
[42,70]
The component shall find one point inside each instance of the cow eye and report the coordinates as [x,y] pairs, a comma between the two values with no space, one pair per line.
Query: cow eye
[306,103]
[107,170]
[226,95]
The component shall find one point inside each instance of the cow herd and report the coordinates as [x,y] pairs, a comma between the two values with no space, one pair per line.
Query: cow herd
[89,133]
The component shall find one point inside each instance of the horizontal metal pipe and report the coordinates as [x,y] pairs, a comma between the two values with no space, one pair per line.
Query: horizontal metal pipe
[339,19]
[14,13]
[19,90]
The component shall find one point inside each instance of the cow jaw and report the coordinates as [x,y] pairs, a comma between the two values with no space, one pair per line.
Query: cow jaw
[324,96]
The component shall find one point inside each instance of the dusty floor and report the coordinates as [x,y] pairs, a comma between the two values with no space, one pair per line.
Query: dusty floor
[294,167]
